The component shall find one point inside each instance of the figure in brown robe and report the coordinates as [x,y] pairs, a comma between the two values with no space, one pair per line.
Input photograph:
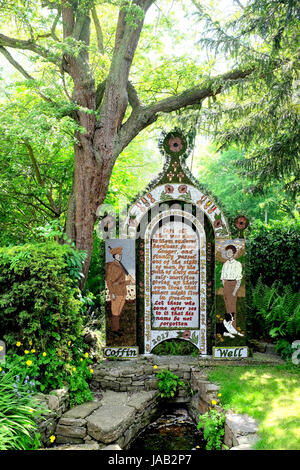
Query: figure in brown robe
[116,282]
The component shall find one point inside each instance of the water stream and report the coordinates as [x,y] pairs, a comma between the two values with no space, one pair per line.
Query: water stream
[174,430]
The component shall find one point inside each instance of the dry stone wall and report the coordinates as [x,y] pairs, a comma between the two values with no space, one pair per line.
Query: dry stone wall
[130,402]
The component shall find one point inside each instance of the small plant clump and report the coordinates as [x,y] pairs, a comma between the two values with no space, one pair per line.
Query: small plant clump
[212,423]
[168,383]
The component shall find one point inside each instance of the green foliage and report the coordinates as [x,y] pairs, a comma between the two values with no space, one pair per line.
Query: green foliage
[168,384]
[39,298]
[212,423]
[36,164]
[44,371]
[175,347]
[273,254]
[277,312]
[219,173]
[261,114]
[18,413]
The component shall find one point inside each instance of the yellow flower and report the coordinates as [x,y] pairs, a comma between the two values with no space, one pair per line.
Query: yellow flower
[52,438]
[33,350]
[18,344]
[30,343]
[86,354]
[26,352]
[69,343]
[29,363]
[59,353]
[213,402]
[31,410]
[0,369]
[91,371]
[155,366]
[74,369]
[81,359]
[219,394]
[44,354]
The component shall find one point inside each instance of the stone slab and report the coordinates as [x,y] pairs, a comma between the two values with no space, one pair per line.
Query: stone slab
[112,447]
[93,446]
[82,411]
[240,424]
[68,440]
[112,398]
[140,400]
[72,421]
[71,431]
[109,422]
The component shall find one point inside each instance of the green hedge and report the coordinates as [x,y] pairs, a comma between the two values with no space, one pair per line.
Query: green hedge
[39,296]
[273,253]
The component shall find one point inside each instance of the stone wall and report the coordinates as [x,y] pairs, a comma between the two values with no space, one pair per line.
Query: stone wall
[116,419]
[55,404]
[140,374]
[130,402]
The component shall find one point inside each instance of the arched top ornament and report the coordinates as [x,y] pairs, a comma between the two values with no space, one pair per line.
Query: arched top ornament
[175,183]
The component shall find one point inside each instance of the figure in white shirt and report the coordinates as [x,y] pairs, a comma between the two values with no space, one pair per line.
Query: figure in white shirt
[231,277]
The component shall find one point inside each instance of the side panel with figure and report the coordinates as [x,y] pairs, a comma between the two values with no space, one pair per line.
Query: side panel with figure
[230,292]
[120,293]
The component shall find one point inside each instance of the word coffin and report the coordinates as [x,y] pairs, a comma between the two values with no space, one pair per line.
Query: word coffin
[121,352]
[230,352]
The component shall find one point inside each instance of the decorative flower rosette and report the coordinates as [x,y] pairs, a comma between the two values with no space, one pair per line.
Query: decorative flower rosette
[174,143]
[241,223]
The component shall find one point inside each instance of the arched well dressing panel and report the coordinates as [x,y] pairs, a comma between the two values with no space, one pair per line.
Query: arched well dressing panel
[175,280]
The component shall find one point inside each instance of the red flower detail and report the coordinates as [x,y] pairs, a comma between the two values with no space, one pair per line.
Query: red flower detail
[175,144]
[169,189]
[217,223]
[241,222]
[182,189]
[186,334]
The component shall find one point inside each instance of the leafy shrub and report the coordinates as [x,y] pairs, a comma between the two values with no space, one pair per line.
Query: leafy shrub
[212,423]
[18,413]
[273,253]
[39,294]
[168,384]
[41,371]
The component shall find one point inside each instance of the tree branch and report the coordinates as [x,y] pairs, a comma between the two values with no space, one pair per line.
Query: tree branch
[29,45]
[98,29]
[142,116]
[115,98]
[40,179]
[14,63]
[19,67]
[133,97]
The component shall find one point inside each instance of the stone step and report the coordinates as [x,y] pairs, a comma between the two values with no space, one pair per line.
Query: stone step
[117,416]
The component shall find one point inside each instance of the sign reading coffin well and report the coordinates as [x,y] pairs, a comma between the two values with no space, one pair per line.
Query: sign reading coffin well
[175,279]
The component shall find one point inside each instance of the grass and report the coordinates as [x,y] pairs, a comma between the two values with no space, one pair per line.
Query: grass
[271,395]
